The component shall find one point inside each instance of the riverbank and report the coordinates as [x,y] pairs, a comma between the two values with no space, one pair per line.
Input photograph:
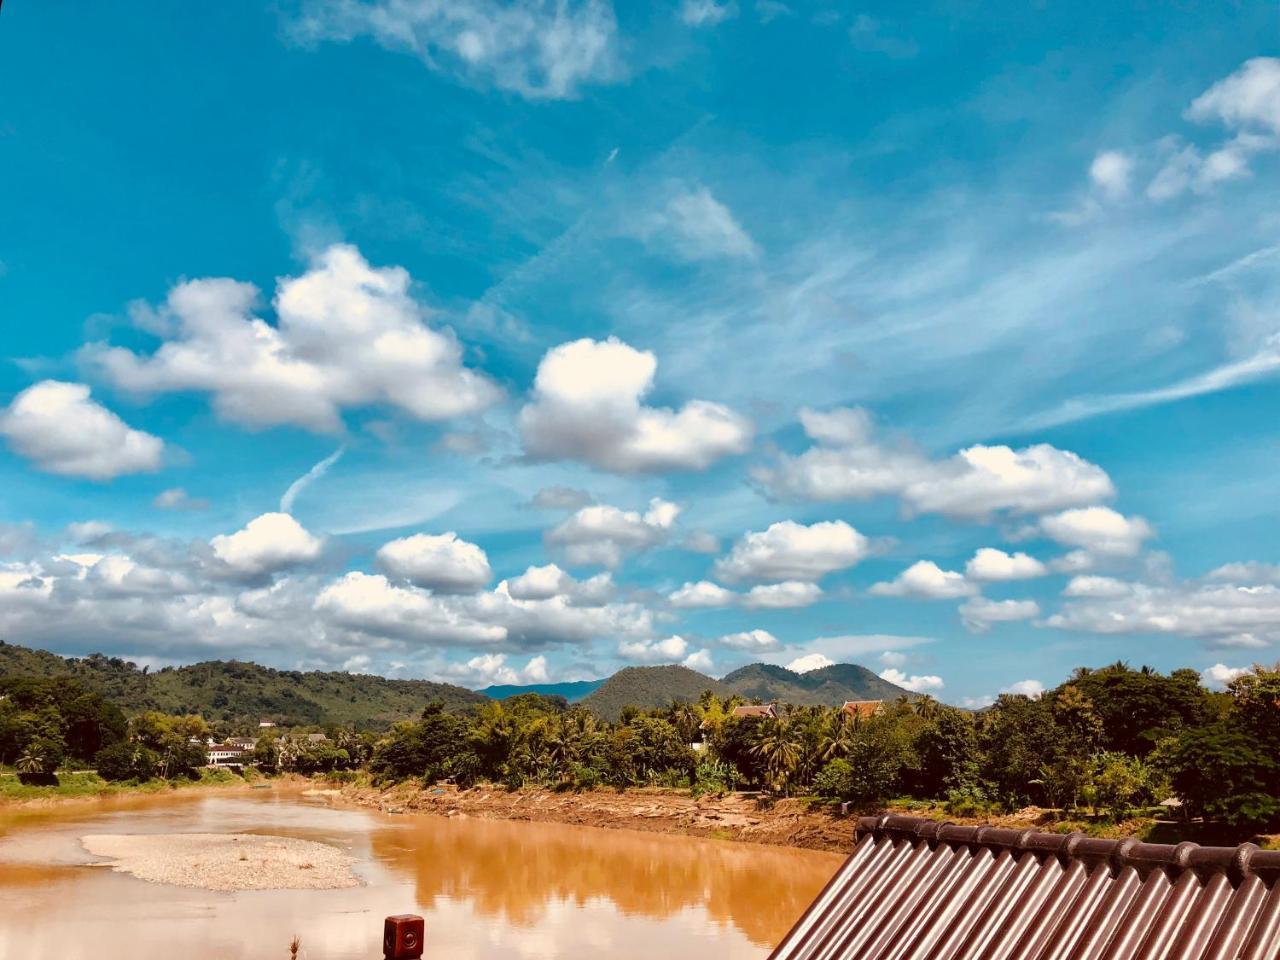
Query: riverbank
[802,823]
[85,786]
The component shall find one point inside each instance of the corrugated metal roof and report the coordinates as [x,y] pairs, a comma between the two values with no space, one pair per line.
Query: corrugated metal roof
[917,889]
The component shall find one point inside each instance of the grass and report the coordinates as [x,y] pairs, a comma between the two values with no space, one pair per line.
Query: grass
[88,784]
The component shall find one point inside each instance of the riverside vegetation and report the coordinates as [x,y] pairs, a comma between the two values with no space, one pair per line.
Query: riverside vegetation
[1106,745]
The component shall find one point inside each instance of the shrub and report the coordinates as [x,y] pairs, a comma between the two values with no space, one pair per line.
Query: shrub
[835,780]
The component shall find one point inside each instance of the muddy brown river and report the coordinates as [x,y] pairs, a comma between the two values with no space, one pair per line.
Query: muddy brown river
[488,889]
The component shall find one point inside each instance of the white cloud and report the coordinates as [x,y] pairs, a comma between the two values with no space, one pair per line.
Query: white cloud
[1219,675]
[560,498]
[348,335]
[753,641]
[536,49]
[267,543]
[793,551]
[1250,571]
[1110,172]
[176,498]
[780,596]
[1250,97]
[666,650]
[847,462]
[700,595]
[539,583]
[311,476]
[1025,688]
[1099,530]
[1096,587]
[490,669]
[706,13]
[443,562]
[62,430]
[1222,614]
[916,684]
[587,406]
[700,541]
[699,660]
[992,565]
[979,613]
[810,662]
[700,227]
[603,535]
[926,580]
[122,575]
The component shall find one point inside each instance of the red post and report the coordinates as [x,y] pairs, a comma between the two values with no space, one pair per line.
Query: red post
[402,937]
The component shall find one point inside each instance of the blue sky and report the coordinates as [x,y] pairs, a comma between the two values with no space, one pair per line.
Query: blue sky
[521,341]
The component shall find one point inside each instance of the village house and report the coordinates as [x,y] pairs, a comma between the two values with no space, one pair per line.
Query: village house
[763,711]
[227,754]
[862,708]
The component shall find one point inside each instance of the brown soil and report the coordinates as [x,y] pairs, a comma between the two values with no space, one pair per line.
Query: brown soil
[792,823]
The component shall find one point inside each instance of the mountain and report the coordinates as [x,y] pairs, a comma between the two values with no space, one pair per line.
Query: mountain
[238,692]
[829,686]
[573,690]
[649,687]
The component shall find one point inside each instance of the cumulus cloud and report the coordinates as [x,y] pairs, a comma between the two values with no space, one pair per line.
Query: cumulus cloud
[373,605]
[1110,172]
[603,535]
[925,580]
[1250,571]
[927,683]
[1025,688]
[666,650]
[752,641]
[1222,614]
[444,563]
[534,48]
[587,406]
[699,660]
[780,596]
[702,594]
[992,565]
[347,335]
[539,583]
[1248,98]
[266,544]
[847,462]
[1219,675]
[979,613]
[793,551]
[490,669]
[1098,530]
[61,429]
[697,226]
[1096,587]
[810,662]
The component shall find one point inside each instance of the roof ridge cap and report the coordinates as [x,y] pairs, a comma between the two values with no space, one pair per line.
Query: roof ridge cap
[1238,862]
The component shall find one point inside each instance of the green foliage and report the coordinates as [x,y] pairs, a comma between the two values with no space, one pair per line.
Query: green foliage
[52,720]
[127,761]
[835,780]
[237,693]
[713,776]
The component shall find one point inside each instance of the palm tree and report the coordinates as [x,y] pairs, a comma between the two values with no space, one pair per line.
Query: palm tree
[778,747]
[32,760]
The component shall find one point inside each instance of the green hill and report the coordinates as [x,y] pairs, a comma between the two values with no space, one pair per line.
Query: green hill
[828,687]
[572,690]
[649,687]
[237,692]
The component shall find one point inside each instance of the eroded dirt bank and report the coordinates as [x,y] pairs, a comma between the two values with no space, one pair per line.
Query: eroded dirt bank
[793,823]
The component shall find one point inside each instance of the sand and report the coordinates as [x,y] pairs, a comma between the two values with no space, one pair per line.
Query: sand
[218,861]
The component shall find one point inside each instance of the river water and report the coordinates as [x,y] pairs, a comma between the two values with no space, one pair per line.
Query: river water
[488,889]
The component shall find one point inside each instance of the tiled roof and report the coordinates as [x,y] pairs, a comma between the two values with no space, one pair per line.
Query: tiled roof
[916,889]
[862,708]
[756,710]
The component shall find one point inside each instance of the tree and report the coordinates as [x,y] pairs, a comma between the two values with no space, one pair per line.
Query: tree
[779,750]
